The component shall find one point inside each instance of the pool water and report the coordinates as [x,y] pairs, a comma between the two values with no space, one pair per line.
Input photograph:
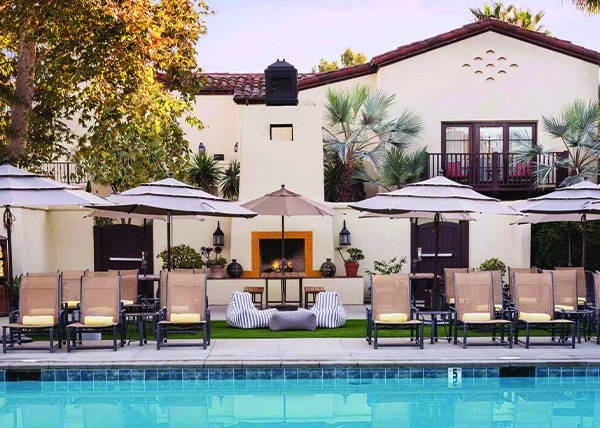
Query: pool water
[304,401]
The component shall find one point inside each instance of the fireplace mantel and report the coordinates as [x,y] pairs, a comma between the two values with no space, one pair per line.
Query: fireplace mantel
[307,236]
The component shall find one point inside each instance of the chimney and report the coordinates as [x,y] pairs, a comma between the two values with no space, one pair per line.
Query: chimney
[281,84]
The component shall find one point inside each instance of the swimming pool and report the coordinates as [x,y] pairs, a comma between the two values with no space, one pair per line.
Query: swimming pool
[304,397]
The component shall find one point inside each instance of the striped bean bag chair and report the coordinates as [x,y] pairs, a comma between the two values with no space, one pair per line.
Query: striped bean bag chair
[329,310]
[242,313]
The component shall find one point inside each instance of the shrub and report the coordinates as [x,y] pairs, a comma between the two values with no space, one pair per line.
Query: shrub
[493,263]
[182,257]
[354,255]
[391,266]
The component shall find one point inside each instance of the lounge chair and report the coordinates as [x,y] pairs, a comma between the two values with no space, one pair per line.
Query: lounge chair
[566,302]
[185,308]
[100,311]
[242,313]
[581,283]
[511,272]
[71,288]
[534,308]
[391,309]
[129,286]
[39,312]
[596,306]
[329,310]
[449,293]
[474,307]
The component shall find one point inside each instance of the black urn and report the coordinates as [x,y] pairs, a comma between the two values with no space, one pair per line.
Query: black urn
[328,268]
[234,269]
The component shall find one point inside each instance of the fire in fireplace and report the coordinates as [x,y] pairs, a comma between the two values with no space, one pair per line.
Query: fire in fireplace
[270,255]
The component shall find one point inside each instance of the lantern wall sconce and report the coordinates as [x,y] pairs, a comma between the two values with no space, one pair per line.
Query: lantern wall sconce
[201,148]
[236,147]
[218,237]
[345,235]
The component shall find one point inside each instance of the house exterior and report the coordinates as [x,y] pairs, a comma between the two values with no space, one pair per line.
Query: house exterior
[481,89]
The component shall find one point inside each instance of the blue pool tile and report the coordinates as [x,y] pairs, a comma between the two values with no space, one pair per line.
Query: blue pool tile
[201,374]
[188,384]
[264,374]
[541,371]
[159,374]
[74,375]
[88,385]
[239,374]
[403,373]
[304,373]
[60,375]
[175,374]
[86,375]
[100,375]
[2,375]
[138,374]
[416,373]
[227,374]
[48,375]
[353,374]
[112,375]
[188,374]
[124,375]
[214,374]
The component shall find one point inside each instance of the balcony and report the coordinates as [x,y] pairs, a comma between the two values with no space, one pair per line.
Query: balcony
[494,173]
[64,172]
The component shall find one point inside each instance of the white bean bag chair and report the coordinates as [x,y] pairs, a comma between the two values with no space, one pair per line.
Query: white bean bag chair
[242,313]
[329,310]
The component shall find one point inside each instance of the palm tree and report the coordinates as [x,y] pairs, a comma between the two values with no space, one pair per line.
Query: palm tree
[588,6]
[401,168]
[205,173]
[511,14]
[230,183]
[577,127]
[358,134]
[494,10]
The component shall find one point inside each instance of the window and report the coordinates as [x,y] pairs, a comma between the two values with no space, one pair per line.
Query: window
[282,132]
[487,137]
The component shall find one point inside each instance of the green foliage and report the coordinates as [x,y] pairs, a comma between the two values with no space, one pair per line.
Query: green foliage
[588,6]
[205,173]
[104,221]
[357,135]
[205,253]
[15,288]
[354,255]
[126,71]
[401,168]
[493,263]
[230,182]
[348,58]
[387,267]
[577,128]
[182,257]
[511,14]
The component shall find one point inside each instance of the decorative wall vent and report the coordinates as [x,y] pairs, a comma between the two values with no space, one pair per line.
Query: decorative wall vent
[491,62]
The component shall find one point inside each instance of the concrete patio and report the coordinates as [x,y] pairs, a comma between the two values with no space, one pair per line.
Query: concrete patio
[303,352]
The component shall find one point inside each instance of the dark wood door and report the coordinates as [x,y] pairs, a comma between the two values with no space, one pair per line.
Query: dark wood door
[453,246]
[120,246]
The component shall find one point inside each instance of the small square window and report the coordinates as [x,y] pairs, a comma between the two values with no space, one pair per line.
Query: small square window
[283,132]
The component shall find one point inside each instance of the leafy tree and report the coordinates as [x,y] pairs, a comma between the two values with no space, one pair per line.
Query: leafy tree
[348,58]
[230,183]
[205,173]
[577,128]
[511,14]
[401,167]
[357,136]
[124,70]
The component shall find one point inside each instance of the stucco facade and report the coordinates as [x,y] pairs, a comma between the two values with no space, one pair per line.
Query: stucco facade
[489,76]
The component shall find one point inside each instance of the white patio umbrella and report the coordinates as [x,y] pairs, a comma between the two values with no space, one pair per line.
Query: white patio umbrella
[19,188]
[169,198]
[436,196]
[572,203]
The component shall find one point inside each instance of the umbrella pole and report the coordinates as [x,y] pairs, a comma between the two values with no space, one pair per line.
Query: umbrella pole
[281,262]
[9,267]
[436,226]
[168,241]
[583,238]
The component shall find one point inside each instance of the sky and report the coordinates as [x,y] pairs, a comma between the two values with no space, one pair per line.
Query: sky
[249,35]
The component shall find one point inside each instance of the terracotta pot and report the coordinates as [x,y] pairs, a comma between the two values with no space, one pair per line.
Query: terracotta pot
[351,268]
[217,271]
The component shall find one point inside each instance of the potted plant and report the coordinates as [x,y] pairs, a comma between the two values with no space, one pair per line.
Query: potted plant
[351,261]
[216,263]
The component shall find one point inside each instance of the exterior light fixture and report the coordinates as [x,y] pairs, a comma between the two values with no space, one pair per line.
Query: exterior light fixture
[218,237]
[236,146]
[201,148]
[345,235]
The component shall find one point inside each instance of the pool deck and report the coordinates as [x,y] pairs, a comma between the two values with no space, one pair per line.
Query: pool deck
[305,352]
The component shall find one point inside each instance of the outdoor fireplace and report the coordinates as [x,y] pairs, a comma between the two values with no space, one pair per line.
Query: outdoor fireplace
[266,252]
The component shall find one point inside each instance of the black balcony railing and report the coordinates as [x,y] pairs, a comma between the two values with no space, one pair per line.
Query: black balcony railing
[493,172]
[64,172]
